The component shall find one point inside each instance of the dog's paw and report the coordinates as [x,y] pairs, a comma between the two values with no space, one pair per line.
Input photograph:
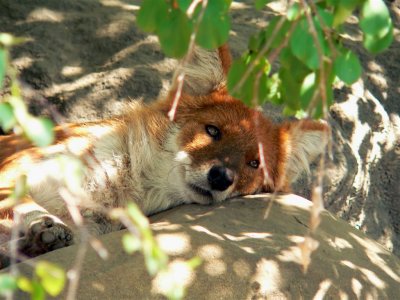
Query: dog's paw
[45,234]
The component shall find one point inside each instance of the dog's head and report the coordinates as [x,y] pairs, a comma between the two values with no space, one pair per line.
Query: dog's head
[226,149]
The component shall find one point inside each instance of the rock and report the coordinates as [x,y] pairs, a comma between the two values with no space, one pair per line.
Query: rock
[244,256]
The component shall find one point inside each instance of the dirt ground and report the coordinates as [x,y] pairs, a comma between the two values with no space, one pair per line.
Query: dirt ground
[86,59]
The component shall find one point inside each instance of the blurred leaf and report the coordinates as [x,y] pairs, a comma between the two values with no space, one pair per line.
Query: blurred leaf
[25,284]
[150,14]
[347,67]
[174,33]
[194,262]
[8,283]
[288,112]
[259,4]
[279,37]
[184,4]
[7,118]
[38,292]
[19,107]
[375,19]
[51,277]
[307,90]
[375,45]
[215,25]
[246,92]
[273,89]
[303,46]
[320,34]
[3,66]
[291,75]
[137,216]
[326,16]
[235,74]
[293,12]
[301,114]
[155,259]
[343,9]
[21,187]
[72,169]
[131,243]
[8,40]
[290,89]
[39,131]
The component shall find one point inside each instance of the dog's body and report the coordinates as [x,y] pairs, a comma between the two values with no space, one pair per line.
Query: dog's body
[209,153]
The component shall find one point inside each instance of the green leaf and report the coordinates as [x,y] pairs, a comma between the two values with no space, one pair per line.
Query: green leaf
[8,283]
[293,12]
[375,44]
[246,92]
[326,16]
[7,118]
[273,89]
[303,46]
[290,62]
[39,131]
[215,25]
[259,4]
[184,4]
[347,67]
[287,111]
[307,90]
[52,277]
[290,89]
[301,114]
[72,170]
[150,14]
[38,292]
[3,66]
[25,284]
[174,33]
[8,40]
[291,75]
[343,9]
[155,259]
[279,37]
[235,74]
[375,18]
[137,216]
[131,243]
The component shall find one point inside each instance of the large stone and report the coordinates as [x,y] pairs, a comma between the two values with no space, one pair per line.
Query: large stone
[244,254]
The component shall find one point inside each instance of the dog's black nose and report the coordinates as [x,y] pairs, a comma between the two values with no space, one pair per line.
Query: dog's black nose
[220,178]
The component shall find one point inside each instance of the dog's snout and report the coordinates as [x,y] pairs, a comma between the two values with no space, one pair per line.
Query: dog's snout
[220,178]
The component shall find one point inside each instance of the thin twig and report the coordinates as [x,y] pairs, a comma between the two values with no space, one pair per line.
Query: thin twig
[179,74]
[259,56]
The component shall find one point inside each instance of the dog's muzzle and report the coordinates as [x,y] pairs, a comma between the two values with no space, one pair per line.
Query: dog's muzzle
[220,178]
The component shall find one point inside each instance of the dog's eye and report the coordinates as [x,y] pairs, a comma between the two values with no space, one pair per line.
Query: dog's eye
[213,131]
[254,163]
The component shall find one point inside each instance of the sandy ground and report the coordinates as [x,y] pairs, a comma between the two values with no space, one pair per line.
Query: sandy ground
[86,59]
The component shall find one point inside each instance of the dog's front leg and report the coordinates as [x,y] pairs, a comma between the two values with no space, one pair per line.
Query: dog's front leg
[41,232]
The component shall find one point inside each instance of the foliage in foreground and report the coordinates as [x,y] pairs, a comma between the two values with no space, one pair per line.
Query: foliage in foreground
[307,41]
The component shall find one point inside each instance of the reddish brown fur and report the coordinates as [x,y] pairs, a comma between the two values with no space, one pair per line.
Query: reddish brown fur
[286,146]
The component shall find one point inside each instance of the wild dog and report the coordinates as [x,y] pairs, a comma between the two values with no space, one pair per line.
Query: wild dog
[209,153]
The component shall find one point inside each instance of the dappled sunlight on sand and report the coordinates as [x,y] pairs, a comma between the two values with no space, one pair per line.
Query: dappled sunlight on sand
[372,250]
[174,244]
[366,274]
[267,277]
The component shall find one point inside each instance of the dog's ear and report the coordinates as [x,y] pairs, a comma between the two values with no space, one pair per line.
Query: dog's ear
[292,148]
[225,57]
[304,141]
